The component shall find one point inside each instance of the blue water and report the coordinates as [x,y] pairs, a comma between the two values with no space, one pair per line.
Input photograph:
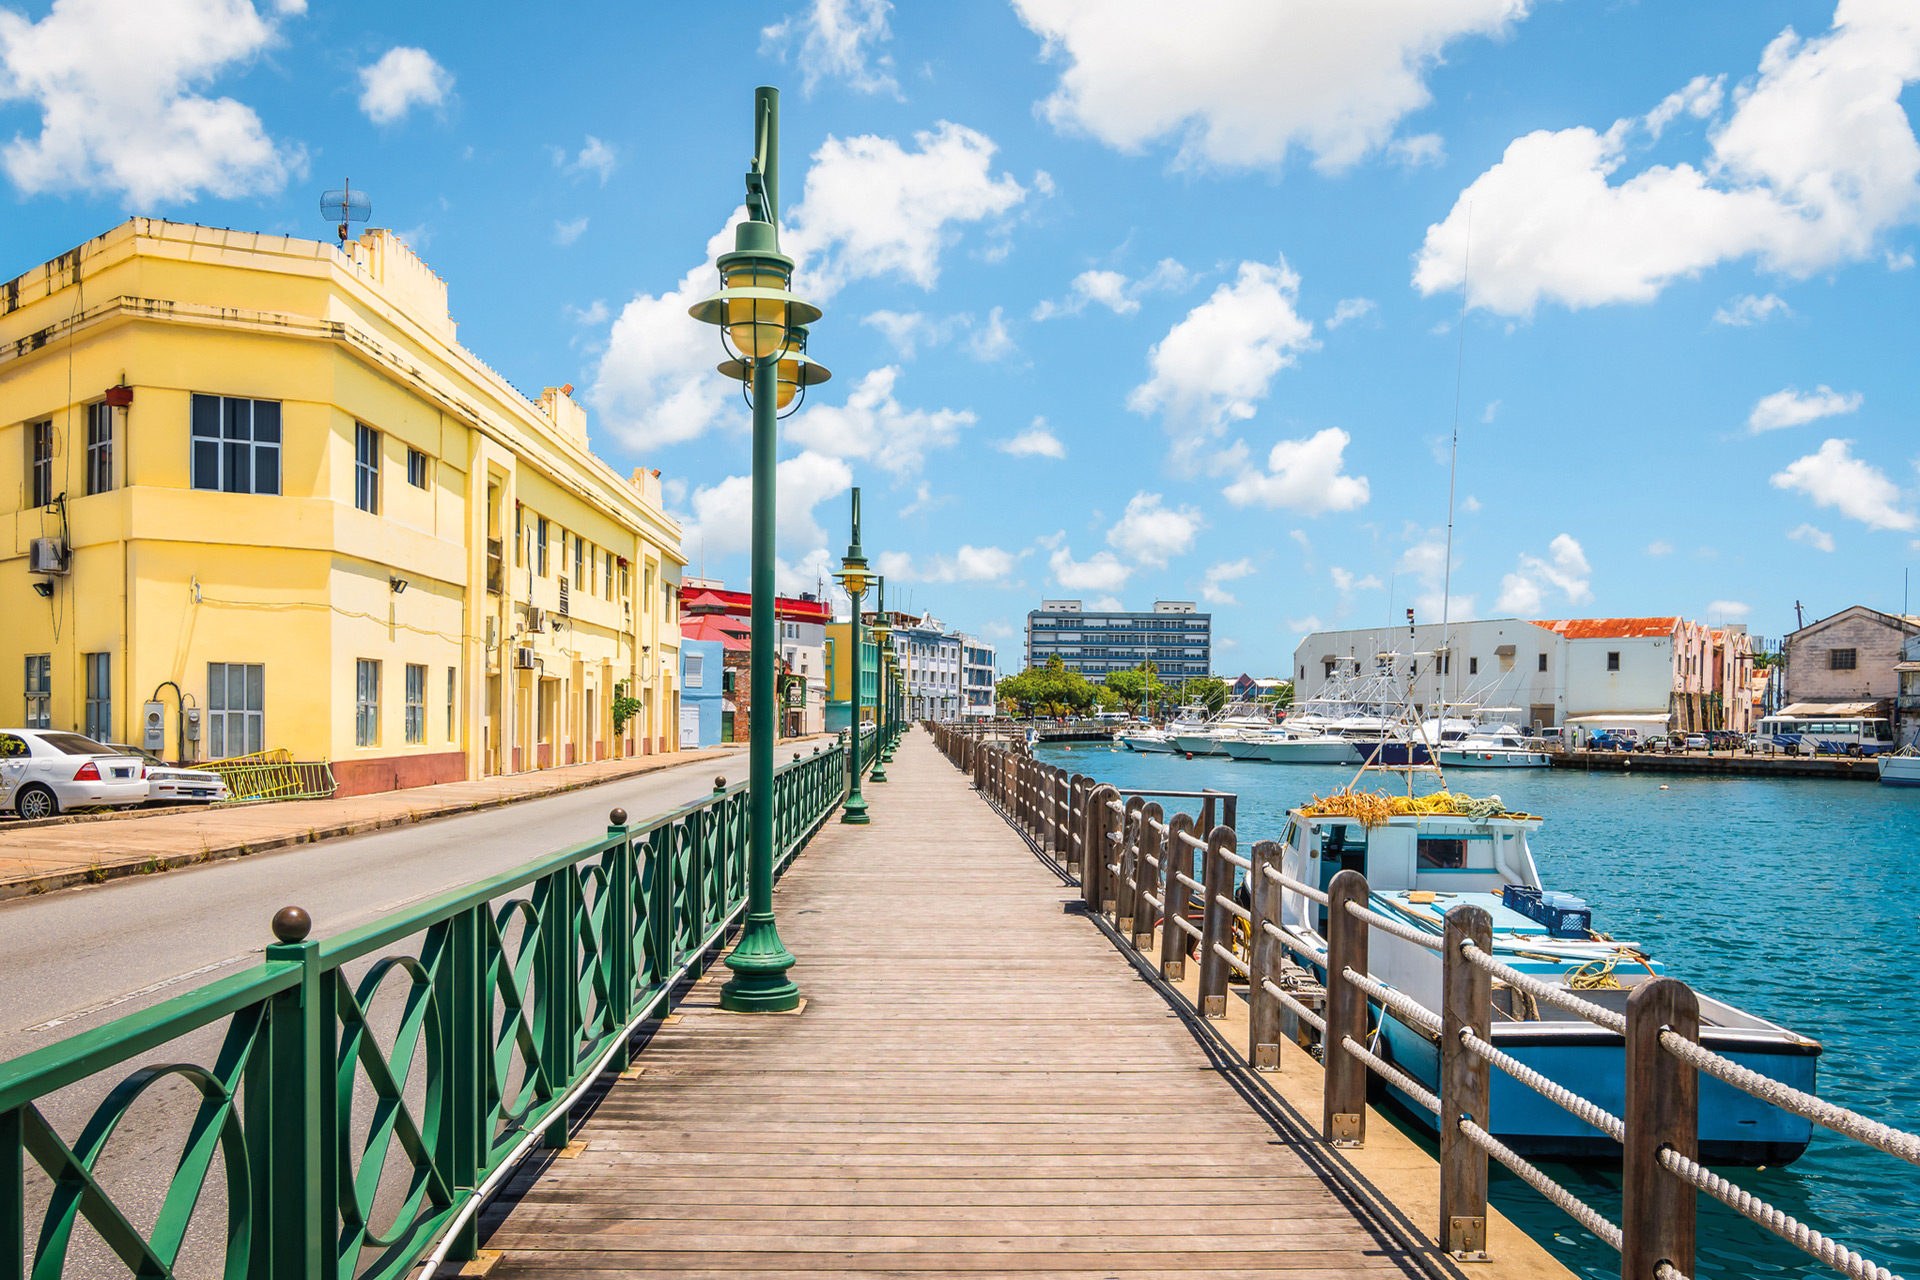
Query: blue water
[1796,899]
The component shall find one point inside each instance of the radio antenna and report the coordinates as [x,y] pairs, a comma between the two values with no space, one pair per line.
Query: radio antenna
[344,206]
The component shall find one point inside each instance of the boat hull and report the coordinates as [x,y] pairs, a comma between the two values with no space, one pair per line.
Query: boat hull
[1240,750]
[1148,745]
[1900,771]
[1735,1127]
[1195,744]
[1498,758]
[1338,751]
[1396,754]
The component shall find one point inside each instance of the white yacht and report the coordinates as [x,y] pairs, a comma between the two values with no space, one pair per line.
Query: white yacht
[1161,740]
[1494,743]
[1236,720]
[1900,769]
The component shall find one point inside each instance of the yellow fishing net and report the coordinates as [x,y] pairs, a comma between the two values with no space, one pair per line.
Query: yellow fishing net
[1374,808]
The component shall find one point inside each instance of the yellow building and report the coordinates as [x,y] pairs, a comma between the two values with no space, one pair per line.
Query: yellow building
[840,676]
[257,480]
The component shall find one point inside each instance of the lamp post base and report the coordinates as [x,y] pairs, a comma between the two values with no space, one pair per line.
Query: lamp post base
[879,773]
[854,811]
[759,962]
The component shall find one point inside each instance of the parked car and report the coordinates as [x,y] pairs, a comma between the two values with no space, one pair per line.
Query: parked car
[168,783]
[1696,742]
[45,771]
[1614,740]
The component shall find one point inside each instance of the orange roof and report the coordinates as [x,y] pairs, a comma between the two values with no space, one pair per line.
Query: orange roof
[1610,628]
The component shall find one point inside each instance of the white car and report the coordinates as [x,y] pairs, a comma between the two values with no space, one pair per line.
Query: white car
[43,771]
[175,784]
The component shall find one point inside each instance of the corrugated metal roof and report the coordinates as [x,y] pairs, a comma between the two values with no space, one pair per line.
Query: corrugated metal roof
[1610,628]
[1831,708]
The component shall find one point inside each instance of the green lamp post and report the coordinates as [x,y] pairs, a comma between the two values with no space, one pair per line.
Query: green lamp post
[853,578]
[882,640]
[763,329]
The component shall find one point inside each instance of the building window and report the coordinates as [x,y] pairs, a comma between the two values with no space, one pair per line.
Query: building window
[236,709]
[40,463]
[99,668]
[696,671]
[39,691]
[1543,662]
[1473,666]
[1613,660]
[519,535]
[608,574]
[540,545]
[580,563]
[416,704]
[236,444]
[99,447]
[416,468]
[1841,659]
[452,687]
[366,703]
[366,469]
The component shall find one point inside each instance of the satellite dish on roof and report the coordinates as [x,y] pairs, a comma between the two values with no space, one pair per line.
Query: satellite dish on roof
[344,206]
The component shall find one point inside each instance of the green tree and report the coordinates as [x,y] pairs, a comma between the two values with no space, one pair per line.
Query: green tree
[1210,692]
[1139,687]
[1282,696]
[1051,690]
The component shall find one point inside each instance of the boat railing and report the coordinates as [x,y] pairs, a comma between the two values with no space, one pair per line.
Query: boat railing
[1165,884]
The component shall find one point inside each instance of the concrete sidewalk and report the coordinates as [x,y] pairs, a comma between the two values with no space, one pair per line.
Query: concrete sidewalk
[44,857]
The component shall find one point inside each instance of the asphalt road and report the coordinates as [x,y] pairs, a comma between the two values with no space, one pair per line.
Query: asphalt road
[72,960]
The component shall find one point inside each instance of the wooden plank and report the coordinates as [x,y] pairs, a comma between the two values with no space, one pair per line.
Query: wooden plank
[964,1094]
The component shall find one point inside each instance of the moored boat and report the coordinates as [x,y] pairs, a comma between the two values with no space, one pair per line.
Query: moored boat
[1418,866]
[1901,769]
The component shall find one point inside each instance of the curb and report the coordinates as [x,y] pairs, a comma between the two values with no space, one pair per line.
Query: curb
[35,885]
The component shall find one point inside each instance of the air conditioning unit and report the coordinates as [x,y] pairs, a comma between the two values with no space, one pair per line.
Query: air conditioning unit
[493,630]
[536,618]
[47,555]
[564,609]
[523,658]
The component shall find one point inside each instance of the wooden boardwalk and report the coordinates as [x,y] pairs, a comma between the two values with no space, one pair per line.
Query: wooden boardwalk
[979,1085]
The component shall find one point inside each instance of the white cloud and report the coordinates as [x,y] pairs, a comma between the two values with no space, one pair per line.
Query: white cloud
[924,499]
[1751,309]
[1790,408]
[835,38]
[1217,363]
[1729,610]
[1346,584]
[873,208]
[1241,82]
[565,233]
[722,521]
[1899,261]
[1226,571]
[596,157]
[1100,572]
[594,313]
[968,564]
[1115,291]
[1151,533]
[1106,604]
[1492,410]
[1420,150]
[1700,98]
[1523,591]
[1037,441]
[991,341]
[1349,309]
[1833,477]
[1818,539]
[1304,476]
[1471,503]
[403,78]
[873,424]
[1304,626]
[1426,561]
[909,330]
[1816,162]
[112,82]
[1660,547]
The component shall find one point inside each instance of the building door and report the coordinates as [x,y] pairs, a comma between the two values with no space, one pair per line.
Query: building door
[1541,714]
[689,728]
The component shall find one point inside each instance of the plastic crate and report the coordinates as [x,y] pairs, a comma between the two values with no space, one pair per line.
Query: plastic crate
[1521,898]
[1567,922]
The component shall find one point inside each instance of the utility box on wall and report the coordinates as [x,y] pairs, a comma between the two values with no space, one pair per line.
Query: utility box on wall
[154,727]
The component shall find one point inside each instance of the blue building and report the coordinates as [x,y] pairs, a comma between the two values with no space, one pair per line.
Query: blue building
[702,692]
[1174,636]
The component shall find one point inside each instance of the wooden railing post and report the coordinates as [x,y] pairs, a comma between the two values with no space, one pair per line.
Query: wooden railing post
[1149,865]
[1663,1110]
[1177,856]
[1216,929]
[1264,1023]
[1127,856]
[1093,847]
[1343,1117]
[1466,1003]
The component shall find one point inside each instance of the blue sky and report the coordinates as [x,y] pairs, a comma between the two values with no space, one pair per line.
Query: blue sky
[1128,300]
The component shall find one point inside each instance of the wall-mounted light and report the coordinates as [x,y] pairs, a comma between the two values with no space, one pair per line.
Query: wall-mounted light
[43,588]
[396,585]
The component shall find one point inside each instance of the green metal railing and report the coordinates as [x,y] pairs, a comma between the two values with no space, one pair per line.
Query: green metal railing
[515,992]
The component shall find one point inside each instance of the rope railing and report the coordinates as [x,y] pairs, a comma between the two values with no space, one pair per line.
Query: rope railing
[1152,899]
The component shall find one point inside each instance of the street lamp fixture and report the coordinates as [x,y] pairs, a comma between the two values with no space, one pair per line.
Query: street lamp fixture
[853,579]
[762,328]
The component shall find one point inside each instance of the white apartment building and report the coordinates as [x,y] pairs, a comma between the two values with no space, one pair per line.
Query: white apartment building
[979,675]
[930,661]
[1650,674]
[803,643]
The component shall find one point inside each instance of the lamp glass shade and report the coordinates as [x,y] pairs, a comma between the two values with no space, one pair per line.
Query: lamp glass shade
[854,580]
[757,325]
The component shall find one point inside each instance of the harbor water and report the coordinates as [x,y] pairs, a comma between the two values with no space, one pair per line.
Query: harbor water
[1796,899]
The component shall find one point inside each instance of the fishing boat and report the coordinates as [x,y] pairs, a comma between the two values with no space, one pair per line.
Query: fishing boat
[1234,721]
[1496,745]
[1188,718]
[1421,862]
[1901,768]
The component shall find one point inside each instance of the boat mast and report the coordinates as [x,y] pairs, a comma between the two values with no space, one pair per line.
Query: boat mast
[1445,667]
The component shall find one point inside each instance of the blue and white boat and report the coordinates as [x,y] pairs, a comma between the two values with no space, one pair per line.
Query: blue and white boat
[1418,867]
